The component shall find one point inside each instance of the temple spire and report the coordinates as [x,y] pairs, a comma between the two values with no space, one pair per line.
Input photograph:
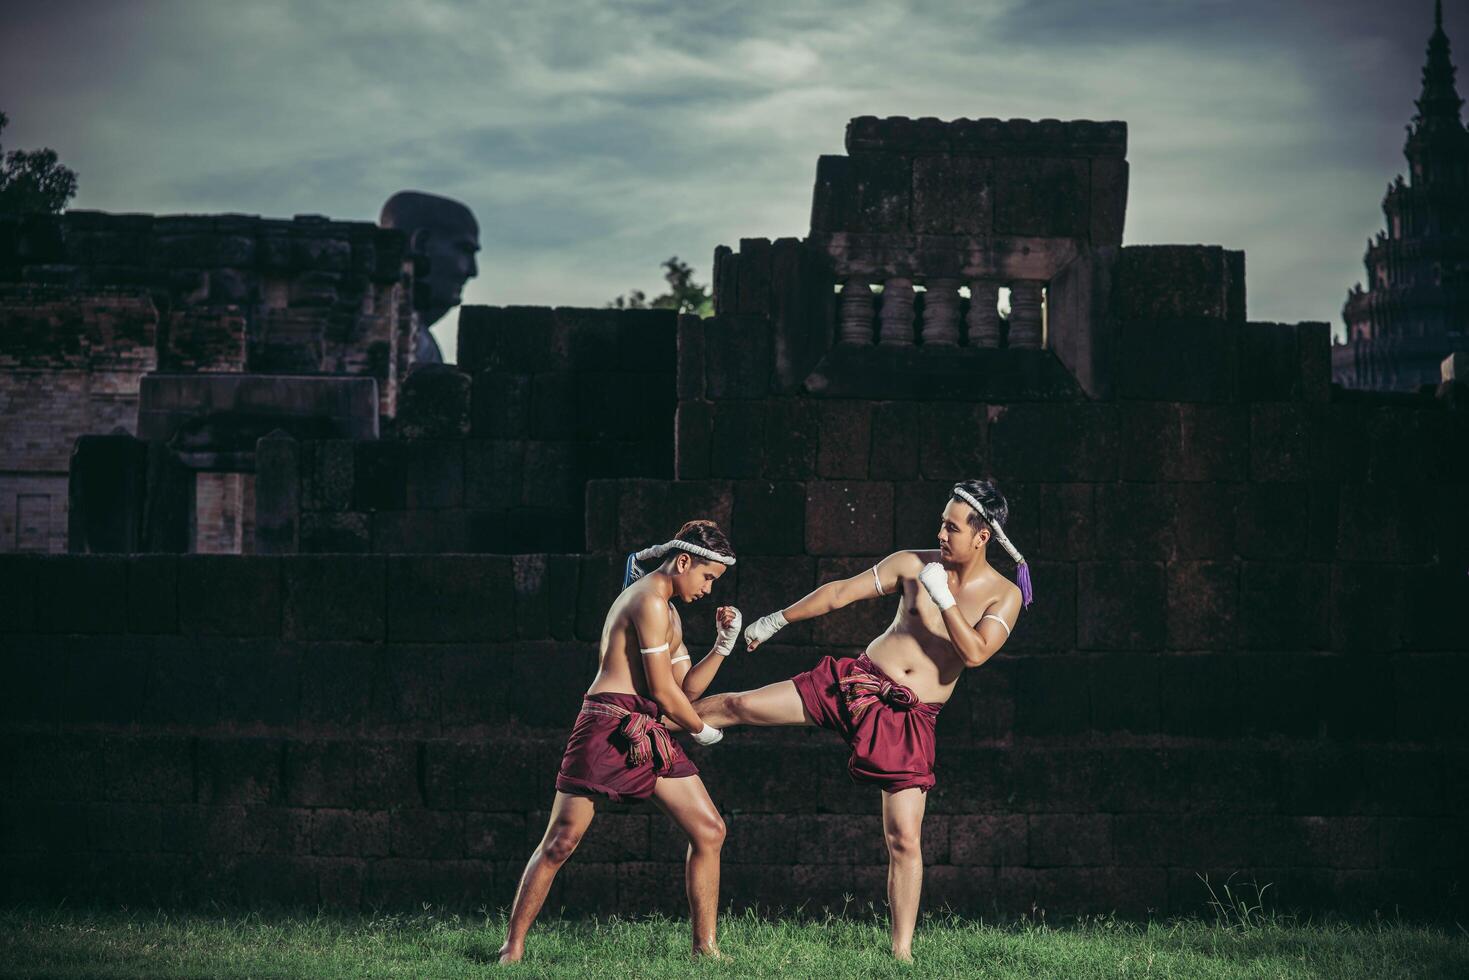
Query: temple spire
[1439,100]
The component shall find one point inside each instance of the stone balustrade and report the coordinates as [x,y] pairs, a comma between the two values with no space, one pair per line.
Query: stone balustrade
[894,317]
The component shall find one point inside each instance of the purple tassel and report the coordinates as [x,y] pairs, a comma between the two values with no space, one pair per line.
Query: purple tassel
[1022,576]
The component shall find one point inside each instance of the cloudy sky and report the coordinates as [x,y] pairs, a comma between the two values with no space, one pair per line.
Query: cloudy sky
[594,140]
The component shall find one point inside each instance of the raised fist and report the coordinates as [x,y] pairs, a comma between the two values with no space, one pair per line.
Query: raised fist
[935,580]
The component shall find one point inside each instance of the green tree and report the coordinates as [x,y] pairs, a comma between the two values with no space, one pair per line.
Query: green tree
[684,295]
[34,180]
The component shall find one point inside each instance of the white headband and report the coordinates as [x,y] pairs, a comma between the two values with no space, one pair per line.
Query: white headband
[634,571]
[1022,571]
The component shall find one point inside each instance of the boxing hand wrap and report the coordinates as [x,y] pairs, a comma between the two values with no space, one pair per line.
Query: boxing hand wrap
[936,581]
[726,635]
[707,735]
[765,627]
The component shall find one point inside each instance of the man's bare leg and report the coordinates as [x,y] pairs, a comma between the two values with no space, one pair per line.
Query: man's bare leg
[773,704]
[570,817]
[902,825]
[688,803]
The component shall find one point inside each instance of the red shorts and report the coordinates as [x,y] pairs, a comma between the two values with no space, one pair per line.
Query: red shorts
[888,729]
[603,760]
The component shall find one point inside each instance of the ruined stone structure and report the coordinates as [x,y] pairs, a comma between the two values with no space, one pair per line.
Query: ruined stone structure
[1415,309]
[91,302]
[1245,654]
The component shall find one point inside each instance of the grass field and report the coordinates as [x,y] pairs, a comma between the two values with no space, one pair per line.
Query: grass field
[122,943]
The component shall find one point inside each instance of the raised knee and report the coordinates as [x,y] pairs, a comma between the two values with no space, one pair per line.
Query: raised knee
[904,842]
[559,845]
[709,834]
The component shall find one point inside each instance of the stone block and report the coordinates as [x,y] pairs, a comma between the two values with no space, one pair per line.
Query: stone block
[790,439]
[1367,608]
[1283,606]
[334,598]
[327,474]
[601,581]
[1204,525]
[473,693]
[953,195]
[519,339]
[1273,521]
[336,685]
[919,505]
[433,403]
[1052,696]
[1055,443]
[693,440]
[1135,520]
[148,769]
[1185,359]
[553,475]
[952,443]
[105,681]
[737,357]
[1280,694]
[434,474]
[1385,523]
[229,595]
[450,598]
[421,531]
[405,690]
[849,518]
[1199,695]
[844,439]
[1201,605]
[894,446]
[257,684]
[769,518]
[346,533]
[882,187]
[19,585]
[500,405]
[1044,197]
[754,270]
[738,449]
[353,833]
[1070,839]
[1183,441]
[1124,693]
[1159,282]
[381,475]
[590,336]
[80,594]
[647,343]
[1120,605]
[554,405]
[420,833]
[1050,623]
[1066,521]
[493,471]
[152,594]
[767,584]
[1108,201]
[834,198]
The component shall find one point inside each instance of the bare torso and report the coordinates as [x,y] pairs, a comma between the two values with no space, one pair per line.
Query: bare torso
[916,650]
[620,669]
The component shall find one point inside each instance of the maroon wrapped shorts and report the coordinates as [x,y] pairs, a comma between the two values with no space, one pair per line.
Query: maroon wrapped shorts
[618,750]
[888,729]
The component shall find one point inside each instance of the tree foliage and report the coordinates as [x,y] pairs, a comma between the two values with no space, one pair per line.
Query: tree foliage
[684,295]
[33,180]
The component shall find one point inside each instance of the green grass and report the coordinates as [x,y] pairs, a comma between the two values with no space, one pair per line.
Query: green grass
[82,943]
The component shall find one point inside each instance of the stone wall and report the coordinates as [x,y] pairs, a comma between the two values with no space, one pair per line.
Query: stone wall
[366,731]
[89,302]
[555,398]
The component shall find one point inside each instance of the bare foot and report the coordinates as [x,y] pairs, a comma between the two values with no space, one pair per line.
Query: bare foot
[510,954]
[711,952]
[903,955]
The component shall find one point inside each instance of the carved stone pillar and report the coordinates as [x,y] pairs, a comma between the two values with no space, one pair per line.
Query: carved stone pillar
[897,313]
[984,313]
[941,313]
[856,312]
[1025,314]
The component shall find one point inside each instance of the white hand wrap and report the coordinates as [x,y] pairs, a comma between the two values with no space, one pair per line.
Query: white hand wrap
[765,627]
[707,735]
[726,635]
[936,581]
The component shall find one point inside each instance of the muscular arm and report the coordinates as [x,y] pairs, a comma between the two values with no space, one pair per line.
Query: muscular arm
[864,585]
[650,620]
[979,642]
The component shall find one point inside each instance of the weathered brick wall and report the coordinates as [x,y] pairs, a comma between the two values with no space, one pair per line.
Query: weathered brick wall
[70,362]
[1267,684]
[557,397]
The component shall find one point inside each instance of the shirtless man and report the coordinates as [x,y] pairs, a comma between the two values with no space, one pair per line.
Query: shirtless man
[618,750]
[955,612]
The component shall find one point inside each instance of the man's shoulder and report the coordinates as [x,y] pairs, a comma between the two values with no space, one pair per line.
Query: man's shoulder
[915,559]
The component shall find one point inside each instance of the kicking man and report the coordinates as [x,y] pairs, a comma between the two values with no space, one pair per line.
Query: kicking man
[618,750]
[955,611]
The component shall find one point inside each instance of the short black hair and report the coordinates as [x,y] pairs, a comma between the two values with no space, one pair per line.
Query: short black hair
[706,534]
[990,498]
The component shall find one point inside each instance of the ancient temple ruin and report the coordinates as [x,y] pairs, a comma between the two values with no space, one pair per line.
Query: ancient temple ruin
[1414,312]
